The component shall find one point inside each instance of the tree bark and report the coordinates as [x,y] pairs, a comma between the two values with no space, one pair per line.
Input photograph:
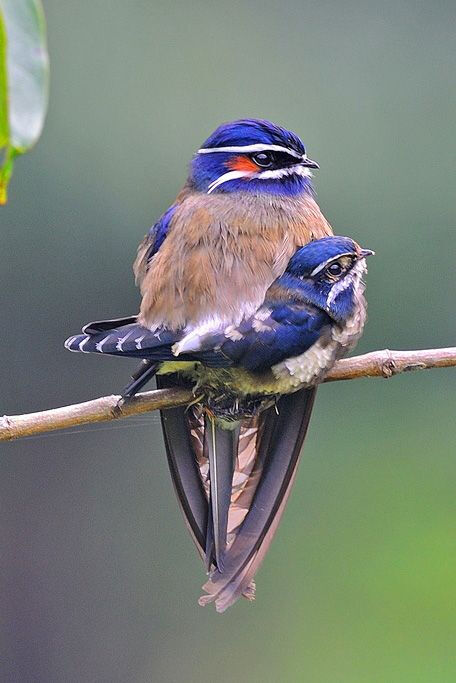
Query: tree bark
[375,364]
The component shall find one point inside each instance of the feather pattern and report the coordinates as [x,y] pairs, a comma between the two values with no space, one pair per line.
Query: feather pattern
[233,455]
[221,445]
[276,332]
[279,443]
[218,239]
[219,315]
[184,471]
[268,448]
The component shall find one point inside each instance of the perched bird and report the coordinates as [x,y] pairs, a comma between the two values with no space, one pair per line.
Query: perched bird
[246,207]
[233,454]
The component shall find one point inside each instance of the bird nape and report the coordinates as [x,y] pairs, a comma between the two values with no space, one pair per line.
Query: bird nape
[249,300]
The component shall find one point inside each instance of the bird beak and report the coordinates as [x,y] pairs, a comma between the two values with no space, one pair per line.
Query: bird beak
[367,252]
[309,163]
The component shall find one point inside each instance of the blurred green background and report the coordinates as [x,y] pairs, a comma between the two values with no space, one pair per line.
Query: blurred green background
[99,578]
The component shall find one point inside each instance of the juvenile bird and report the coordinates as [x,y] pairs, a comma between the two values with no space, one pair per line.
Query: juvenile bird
[233,454]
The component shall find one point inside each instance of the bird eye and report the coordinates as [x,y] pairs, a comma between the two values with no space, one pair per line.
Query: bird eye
[335,269]
[263,159]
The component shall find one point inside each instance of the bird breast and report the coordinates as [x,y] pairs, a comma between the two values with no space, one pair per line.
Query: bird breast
[221,254]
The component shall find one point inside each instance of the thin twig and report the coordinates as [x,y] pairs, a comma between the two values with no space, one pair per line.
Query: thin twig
[376,364]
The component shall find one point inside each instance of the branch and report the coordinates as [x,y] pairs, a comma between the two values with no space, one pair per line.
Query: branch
[376,364]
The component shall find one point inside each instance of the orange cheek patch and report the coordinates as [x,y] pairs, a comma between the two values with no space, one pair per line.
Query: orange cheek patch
[242,164]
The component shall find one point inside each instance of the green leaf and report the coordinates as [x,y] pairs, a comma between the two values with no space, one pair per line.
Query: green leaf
[24,79]
[4,128]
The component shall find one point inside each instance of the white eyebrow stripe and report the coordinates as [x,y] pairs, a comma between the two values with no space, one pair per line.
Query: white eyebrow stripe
[258,147]
[325,263]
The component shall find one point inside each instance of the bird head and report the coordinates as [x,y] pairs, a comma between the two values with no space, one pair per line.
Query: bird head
[329,274]
[252,155]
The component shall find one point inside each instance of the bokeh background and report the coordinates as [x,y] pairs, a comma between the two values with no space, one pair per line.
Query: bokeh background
[99,578]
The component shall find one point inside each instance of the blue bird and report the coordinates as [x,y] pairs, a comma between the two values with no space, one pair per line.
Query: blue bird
[233,454]
[246,207]
[203,269]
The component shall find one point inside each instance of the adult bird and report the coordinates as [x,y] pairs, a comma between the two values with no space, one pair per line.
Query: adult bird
[246,207]
[233,454]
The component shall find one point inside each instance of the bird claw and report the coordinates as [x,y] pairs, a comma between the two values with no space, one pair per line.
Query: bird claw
[116,410]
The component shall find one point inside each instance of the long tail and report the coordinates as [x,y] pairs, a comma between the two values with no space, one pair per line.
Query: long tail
[233,485]
[221,445]
[188,483]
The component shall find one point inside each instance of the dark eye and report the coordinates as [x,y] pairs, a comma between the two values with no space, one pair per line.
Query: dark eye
[335,269]
[263,159]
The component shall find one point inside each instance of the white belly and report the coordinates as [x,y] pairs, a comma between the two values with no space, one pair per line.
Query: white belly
[306,369]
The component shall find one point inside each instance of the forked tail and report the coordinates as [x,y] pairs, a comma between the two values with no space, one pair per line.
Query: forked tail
[233,484]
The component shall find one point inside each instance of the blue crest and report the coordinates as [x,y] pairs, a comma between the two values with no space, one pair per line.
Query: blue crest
[310,274]
[213,169]
[252,132]
[309,257]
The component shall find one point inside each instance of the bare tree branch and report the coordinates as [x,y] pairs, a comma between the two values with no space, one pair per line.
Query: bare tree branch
[376,364]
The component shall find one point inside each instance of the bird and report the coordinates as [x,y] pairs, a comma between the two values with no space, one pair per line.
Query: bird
[233,453]
[247,205]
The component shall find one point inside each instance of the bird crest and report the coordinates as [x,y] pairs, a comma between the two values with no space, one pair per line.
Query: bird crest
[252,155]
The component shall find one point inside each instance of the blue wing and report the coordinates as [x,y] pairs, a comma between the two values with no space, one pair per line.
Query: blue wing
[158,232]
[152,242]
[276,332]
[126,337]
[262,341]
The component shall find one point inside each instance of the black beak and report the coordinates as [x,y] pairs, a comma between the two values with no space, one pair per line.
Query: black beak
[309,163]
[367,252]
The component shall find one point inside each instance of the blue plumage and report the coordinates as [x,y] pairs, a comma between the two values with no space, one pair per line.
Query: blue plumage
[253,131]
[293,332]
[289,186]
[291,335]
[304,261]
[253,352]
[298,310]
[283,169]
[159,230]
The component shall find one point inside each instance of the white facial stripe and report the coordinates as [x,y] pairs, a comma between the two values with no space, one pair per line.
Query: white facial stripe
[354,275]
[330,260]
[283,172]
[231,175]
[261,175]
[338,288]
[259,147]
